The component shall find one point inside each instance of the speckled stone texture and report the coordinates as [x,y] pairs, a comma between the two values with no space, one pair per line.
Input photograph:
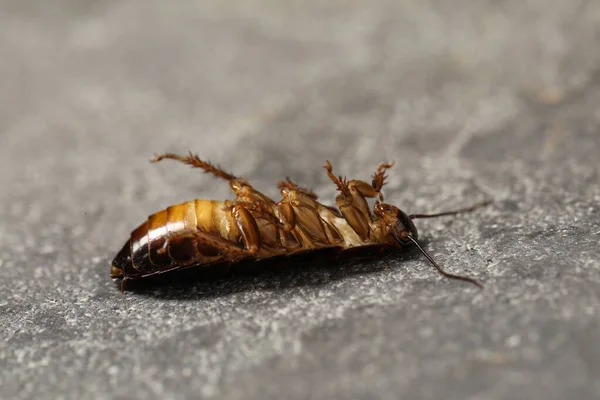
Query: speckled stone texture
[471,99]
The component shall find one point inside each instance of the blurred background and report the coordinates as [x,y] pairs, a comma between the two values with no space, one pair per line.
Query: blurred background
[470,99]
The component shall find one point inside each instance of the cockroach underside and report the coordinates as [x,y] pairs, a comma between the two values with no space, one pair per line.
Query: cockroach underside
[201,232]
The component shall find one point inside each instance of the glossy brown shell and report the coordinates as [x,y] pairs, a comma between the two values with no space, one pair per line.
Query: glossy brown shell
[165,240]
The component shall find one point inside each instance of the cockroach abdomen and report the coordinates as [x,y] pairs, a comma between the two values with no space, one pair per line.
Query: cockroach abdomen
[122,265]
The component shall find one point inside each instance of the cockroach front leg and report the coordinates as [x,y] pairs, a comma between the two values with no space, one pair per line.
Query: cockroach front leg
[354,208]
[352,200]
[379,178]
[360,190]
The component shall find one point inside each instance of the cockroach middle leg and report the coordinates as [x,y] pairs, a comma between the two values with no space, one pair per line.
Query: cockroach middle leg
[245,214]
[291,185]
[300,213]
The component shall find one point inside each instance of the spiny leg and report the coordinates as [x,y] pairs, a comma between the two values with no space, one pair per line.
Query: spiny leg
[122,285]
[352,203]
[228,249]
[246,222]
[361,189]
[379,177]
[291,185]
[259,206]
[355,185]
[341,183]
[249,232]
[301,215]
[195,162]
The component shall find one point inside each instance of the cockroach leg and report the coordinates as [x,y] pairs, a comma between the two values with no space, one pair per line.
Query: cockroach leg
[254,207]
[195,162]
[123,282]
[246,214]
[379,177]
[280,223]
[239,186]
[287,216]
[228,249]
[259,206]
[310,222]
[374,189]
[248,229]
[301,211]
[352,203]
[290,185]
[341,183]
[357,219]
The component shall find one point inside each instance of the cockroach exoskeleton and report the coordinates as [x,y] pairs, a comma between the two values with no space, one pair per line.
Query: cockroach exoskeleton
[254,227]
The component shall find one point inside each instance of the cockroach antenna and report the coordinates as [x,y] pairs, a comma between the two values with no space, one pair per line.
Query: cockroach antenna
[444,214]
[455,212]
[441,270]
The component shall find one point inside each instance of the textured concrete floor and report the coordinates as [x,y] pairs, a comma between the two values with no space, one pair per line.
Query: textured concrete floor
[471,99]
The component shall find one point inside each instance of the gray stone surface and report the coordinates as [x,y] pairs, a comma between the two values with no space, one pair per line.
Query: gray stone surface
[469,98]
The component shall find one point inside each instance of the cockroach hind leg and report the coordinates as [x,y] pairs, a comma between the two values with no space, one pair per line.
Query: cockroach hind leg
[229,250]
[195,162]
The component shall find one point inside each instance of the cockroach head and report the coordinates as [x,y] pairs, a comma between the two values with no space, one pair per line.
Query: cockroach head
[399,228]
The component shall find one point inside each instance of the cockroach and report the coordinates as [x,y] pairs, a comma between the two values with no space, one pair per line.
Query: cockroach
[254,227]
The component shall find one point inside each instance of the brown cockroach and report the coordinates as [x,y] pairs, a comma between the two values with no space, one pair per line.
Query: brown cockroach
[254,227]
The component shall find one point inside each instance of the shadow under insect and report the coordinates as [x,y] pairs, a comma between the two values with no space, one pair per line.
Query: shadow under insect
[315,268]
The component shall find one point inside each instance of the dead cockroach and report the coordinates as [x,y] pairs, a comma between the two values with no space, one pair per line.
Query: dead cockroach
[254,227]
